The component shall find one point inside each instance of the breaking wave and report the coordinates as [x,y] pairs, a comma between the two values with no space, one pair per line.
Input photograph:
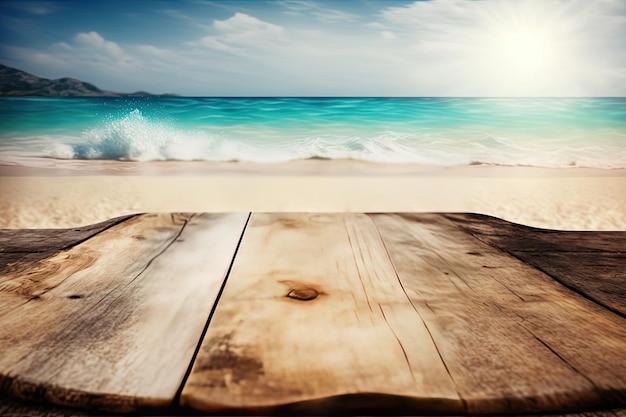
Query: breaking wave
[137,138]
[444,131]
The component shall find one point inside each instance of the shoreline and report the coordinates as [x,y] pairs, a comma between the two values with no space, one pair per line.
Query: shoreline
[312,166]
[560,199]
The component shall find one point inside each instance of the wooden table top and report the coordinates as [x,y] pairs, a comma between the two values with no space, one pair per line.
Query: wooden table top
[312,313]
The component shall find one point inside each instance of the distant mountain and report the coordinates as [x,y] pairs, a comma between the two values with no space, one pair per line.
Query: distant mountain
[14,82]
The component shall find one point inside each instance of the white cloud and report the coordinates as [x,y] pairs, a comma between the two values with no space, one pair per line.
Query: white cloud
[62,46]
[88,50]
[433,48]
[218,44]
[26,58]
[97,43]
[244,27]
[387,35]
[243,35]
[526,47]
[153,51]
[321,12]
[89,57]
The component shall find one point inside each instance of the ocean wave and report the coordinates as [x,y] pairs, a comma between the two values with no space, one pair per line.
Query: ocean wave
[134,136]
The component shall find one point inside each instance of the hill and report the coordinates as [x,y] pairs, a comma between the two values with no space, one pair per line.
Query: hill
[15,82]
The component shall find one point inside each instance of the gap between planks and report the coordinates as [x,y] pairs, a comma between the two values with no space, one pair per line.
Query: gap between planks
[373,247]
[102,319]
[491,326]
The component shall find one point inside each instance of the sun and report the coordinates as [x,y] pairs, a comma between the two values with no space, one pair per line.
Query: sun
[527,58]
[527,50]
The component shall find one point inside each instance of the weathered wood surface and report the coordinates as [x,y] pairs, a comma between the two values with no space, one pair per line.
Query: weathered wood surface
[312,315]
[32,245]
[321,313]
[513,339]
[402,298]
[113,322]
[10,407]
[590,263]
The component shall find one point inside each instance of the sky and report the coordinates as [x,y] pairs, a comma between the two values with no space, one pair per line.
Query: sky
[324,48]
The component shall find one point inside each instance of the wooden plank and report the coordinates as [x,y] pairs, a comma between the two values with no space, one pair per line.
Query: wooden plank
[513,339]
[113,322]
[314,320]
[599,276]
[36,240]
[590,263]
[19,247]
[523,238]
[13,408]
[10,407]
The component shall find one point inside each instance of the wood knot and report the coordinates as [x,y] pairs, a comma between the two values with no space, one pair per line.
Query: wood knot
[303,294]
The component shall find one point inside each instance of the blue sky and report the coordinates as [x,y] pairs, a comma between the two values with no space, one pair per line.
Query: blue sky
[324,48]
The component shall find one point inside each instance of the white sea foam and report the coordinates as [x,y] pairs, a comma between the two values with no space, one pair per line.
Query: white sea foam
[135,137]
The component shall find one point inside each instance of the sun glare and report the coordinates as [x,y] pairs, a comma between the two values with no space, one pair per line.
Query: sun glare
[528,50]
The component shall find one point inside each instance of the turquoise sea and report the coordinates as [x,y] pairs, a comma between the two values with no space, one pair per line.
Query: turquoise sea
[545,132]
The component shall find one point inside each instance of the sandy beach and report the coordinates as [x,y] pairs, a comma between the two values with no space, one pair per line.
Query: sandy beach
[59,194]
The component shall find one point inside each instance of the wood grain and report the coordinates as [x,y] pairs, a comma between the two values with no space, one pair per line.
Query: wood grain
[322,314]
[25,246]
[12,408]
[9,407]
[525,238]
[590,263]
[112,323]
[513,339]
[313,319]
